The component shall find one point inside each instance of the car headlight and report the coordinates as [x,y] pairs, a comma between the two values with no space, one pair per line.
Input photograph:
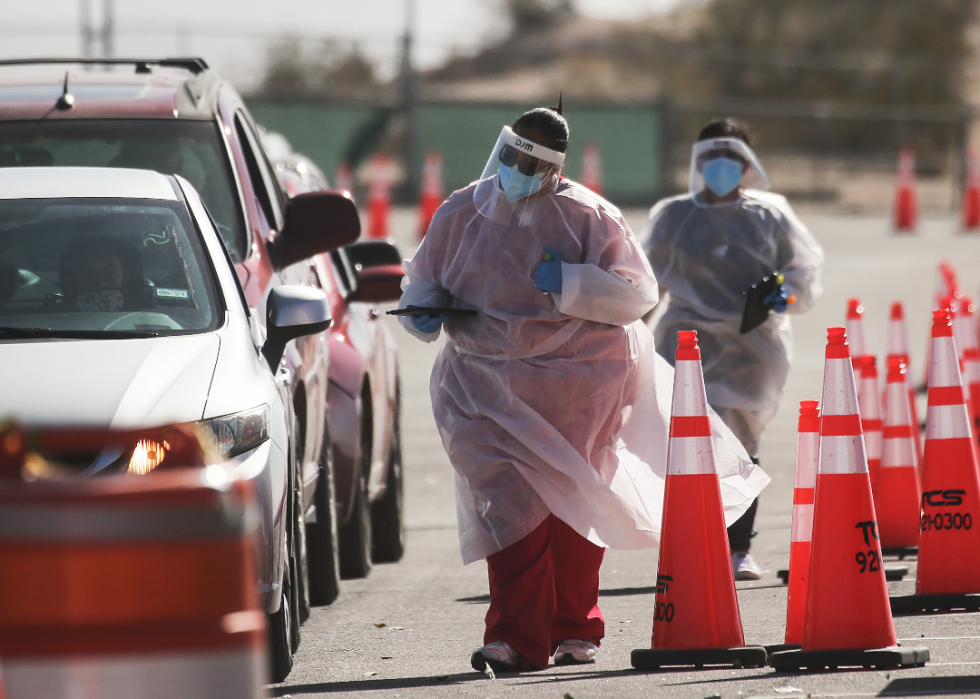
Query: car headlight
[237,433]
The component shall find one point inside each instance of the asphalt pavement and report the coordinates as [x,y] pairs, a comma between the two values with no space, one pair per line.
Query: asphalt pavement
[408,630]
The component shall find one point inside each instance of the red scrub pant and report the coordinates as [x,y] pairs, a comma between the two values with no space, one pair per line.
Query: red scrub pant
[544,590]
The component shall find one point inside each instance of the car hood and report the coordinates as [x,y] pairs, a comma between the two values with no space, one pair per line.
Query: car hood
[107,383]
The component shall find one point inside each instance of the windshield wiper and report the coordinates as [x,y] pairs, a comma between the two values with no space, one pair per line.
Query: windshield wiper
[17,333]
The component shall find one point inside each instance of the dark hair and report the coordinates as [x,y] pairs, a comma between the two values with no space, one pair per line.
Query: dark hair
[549,122]
[725,128]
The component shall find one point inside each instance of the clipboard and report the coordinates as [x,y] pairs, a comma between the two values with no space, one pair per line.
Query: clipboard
[433,311]
[756,310]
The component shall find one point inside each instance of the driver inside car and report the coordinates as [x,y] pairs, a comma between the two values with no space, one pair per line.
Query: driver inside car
[100,274]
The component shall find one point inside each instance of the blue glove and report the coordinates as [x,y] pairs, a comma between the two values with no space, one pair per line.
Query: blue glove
[547,275]
[778,300]
[426,323]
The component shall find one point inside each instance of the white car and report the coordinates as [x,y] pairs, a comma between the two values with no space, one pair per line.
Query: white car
[120,309]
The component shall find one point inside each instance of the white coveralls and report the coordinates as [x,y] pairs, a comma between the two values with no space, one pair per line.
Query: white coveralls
[706,256]
[552,403]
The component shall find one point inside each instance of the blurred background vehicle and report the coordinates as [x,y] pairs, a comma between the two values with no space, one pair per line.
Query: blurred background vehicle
[120,309]
[364,395]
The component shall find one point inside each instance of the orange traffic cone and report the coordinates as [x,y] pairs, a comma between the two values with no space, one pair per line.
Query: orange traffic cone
[898,493]
[696,616]
[949,532]
[807,460]
[971,193]
[379,198]
[898,347]
[855,331]
[848,622]
[947,283]
[906,209]
[431,190]
[592,168]
[344,179]
[965,333]
[869,405]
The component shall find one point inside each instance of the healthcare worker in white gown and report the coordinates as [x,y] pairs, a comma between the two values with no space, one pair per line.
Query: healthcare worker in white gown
[551,401]
[707,248]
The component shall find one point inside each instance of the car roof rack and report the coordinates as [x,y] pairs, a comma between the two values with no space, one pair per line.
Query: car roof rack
[142,65]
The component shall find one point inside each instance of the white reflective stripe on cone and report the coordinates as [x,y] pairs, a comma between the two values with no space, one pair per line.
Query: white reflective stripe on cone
[198,675]
[689,399]
[807,459]
[947,422]
[944,363]
[802,523]
[898,453]
[690,456]
[842,454]
[896,337]
[854,327]
[872,442]
[897,411]
[839,396]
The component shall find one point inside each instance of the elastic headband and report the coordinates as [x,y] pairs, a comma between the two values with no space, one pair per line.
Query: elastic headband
[531,148]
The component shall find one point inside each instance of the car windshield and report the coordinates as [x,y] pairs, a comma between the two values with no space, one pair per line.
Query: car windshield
[102,268]
[192,149]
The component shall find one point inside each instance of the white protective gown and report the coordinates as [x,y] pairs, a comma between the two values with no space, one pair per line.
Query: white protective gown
[706,256]
[552,403]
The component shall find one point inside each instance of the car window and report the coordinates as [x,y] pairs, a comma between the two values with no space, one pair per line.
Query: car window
[104,265]
[191,149]
[263,181]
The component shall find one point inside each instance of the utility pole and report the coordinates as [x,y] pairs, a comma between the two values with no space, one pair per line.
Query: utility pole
[409,98]
[108,29]
[86,31]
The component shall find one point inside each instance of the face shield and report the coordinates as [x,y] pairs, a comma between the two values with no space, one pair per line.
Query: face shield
[517,168]
[722,164]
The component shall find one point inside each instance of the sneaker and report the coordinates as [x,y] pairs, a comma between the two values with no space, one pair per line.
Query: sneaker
[575,652]
[744,566]
[500,656]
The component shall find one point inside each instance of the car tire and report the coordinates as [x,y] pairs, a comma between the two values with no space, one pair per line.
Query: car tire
[387,514]
[321,536]
[355,535]
[281,624]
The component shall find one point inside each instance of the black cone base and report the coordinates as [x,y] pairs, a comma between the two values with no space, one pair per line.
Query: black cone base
[894,573]
[780,647]
[743,656]
[880,659]
[910,604]
[783,575]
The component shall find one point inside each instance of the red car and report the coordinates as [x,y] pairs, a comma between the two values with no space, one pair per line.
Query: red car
[178,117]
[364,387]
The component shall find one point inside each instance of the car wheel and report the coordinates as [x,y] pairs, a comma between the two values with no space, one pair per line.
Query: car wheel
[321,536]
[281,632]
[355,536]
[387,514]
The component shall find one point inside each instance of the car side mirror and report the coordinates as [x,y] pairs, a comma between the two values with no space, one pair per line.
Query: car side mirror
[316,222]
[293,311]
[379,284]
[371,253]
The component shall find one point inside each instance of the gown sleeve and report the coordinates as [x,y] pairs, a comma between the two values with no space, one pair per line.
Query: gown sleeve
[619,287]
[802,273]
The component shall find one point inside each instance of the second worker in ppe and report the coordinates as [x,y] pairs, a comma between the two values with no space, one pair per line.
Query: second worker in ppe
[707,248]
[551,402]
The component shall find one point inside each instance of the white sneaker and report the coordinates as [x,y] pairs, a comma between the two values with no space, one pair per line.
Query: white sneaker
[575,652]
[500,656]
[744,566]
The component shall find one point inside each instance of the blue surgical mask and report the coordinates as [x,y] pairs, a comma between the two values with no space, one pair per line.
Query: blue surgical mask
[722,175]
[517,185]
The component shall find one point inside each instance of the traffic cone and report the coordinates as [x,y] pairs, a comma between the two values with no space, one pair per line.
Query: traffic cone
[948,576]
[855,331]
[965,333]
[379,197]
[906,209]
[592,168]
[898,347]
[696,616]
[897,495]
[869,406]
[431,190]
[344,179]
[848,622]
[807,461]
[971,193]
[947,283]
